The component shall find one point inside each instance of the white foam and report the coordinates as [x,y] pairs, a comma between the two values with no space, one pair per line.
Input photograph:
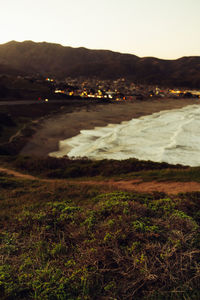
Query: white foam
[171,136]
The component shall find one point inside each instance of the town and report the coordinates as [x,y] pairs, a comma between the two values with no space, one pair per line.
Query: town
[122,89]
[119,90]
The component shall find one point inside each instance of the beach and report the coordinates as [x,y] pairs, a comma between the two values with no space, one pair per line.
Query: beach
[66,125]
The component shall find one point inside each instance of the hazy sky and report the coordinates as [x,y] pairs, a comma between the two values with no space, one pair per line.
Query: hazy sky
[160,28]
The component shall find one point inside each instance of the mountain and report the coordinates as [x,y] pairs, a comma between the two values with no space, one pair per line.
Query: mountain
[9,70]
[58,61]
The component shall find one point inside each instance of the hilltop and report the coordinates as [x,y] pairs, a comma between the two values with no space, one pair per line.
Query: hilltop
[58,61]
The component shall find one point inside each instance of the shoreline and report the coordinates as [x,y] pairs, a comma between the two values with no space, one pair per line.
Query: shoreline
[66,125]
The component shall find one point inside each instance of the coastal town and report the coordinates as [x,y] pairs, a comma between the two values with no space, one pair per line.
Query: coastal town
[120,89]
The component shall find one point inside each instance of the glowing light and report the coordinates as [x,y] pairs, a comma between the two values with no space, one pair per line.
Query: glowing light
[49,79]
[84,94]
[175,92]
[59,91]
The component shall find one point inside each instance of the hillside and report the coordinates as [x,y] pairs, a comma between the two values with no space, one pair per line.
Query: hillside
[81,229]
[75,241]
[59,61]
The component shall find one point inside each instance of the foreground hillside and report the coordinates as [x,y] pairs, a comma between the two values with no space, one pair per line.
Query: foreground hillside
[74,241]
[81,229]
[58,61]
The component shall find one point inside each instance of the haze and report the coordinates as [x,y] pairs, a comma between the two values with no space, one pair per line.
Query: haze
[164,29]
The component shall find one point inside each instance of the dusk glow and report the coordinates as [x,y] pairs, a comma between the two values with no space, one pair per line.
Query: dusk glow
[165,29]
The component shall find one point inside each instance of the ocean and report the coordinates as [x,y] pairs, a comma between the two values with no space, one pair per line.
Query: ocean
[171,136]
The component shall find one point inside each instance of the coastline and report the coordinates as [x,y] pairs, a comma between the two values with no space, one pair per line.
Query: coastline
[66,125]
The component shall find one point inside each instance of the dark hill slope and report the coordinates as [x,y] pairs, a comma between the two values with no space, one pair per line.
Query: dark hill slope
[8,70]
[56,60]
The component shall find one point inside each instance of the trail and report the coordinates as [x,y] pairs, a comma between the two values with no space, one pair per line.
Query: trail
[129,185]
[18,174]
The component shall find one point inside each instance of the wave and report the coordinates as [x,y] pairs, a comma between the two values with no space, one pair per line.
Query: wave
[170,136]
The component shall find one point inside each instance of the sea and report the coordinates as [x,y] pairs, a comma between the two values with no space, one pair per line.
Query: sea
[171,136]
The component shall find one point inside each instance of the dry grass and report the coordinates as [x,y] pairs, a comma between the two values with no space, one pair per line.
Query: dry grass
[61,241]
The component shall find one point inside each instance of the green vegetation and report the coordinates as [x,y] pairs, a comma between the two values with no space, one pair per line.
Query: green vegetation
[171,173]
[126,169]
[64,241]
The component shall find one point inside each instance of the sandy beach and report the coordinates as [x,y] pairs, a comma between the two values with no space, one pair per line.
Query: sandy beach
[65,125]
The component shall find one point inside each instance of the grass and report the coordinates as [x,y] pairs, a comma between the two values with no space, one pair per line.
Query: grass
[61,241]
[82,169]
[186,174]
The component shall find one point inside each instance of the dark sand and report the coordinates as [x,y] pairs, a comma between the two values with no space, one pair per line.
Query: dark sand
[66,125]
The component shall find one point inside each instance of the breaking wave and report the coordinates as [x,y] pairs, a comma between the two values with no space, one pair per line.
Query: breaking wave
[171,136]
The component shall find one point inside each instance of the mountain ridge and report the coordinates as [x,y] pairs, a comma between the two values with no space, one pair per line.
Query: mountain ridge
[50,59]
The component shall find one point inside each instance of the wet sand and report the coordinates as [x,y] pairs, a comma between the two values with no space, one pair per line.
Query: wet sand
[65,125]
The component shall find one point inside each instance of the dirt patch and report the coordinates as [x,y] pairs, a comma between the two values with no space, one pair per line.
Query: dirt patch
[166,187]
[148,187]
[129,185]
[17,174]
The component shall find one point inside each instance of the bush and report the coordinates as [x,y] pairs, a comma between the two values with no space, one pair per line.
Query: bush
[65,168]
[60,242]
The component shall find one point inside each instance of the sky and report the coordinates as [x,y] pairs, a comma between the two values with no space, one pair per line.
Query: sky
[167,29]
